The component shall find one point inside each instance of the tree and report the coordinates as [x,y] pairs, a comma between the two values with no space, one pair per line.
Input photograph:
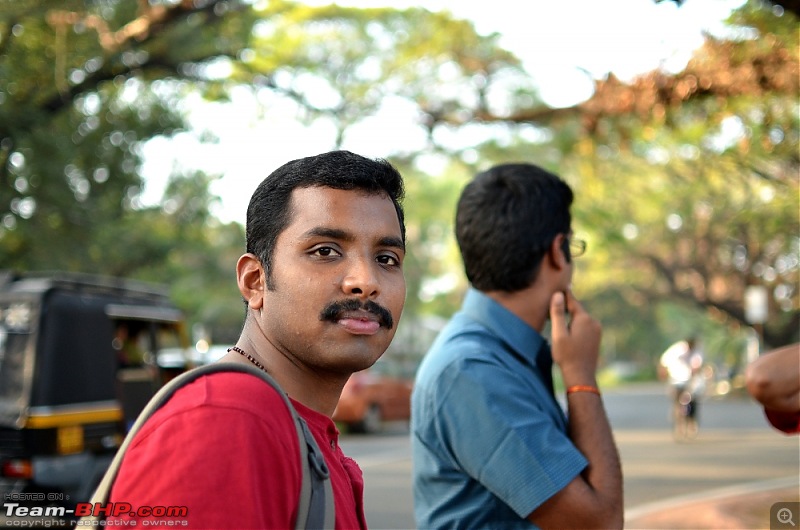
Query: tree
[692,149]
[72,124]
[115,75]
[717,212]
[105,78]
[688,182]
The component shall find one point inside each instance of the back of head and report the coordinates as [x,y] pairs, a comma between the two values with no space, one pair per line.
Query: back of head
[269,211]
[507,217]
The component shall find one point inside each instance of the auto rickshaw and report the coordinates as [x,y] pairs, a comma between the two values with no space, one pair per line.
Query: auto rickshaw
[79,359]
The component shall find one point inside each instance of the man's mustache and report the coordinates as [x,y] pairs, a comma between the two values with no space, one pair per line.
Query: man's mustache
[334,310]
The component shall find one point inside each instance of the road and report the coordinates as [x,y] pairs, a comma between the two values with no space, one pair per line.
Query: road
[735,448]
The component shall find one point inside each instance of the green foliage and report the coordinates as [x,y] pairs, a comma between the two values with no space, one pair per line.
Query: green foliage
[686,205]
[80,92]
[109,76]
[432,266]
[695,205]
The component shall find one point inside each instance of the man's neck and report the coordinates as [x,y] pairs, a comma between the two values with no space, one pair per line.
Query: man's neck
[317,391]
[531,305]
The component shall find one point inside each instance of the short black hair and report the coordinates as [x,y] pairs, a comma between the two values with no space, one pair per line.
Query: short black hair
[268,213]
[507,217]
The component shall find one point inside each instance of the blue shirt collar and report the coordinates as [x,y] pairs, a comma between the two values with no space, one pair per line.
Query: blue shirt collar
[516,333]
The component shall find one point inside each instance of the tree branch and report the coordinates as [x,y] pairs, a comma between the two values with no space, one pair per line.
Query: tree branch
[142,29]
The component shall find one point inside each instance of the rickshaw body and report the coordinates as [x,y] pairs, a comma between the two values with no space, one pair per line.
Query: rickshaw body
[70,385]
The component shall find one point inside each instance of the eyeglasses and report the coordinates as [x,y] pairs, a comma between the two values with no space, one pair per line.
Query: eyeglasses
[577,247]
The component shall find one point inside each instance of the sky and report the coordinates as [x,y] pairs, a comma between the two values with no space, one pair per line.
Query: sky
[564,44]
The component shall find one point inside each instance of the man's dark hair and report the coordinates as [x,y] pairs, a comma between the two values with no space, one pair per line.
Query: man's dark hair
[269,213]
[507,218]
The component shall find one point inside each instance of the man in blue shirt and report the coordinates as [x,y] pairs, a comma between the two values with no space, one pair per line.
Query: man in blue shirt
[492,447]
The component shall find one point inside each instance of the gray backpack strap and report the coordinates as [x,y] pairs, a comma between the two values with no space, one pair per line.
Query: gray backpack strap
[316,507]
[320,511]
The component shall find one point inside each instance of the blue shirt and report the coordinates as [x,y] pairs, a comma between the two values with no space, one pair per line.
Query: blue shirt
[489,440]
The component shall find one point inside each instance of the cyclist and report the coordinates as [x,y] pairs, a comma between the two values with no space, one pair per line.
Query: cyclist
[681,364]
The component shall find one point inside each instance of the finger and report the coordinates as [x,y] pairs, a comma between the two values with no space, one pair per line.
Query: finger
[573,305]
[558,320]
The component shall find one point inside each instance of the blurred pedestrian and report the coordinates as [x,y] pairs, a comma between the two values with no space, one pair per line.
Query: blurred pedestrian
[492,447]
[323,286]
[774,381]
[681,364]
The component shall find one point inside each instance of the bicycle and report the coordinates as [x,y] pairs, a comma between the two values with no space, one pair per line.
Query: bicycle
[684,415]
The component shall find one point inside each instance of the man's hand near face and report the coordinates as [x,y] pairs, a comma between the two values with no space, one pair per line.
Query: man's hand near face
[576,340]
[594,498]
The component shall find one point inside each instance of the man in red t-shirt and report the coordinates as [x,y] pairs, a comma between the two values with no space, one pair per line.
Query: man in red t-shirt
[323,283]
[774,381]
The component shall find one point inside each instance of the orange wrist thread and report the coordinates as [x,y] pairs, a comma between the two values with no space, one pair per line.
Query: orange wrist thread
[583,388]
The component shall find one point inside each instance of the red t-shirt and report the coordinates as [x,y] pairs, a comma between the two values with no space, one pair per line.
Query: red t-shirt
[225,447]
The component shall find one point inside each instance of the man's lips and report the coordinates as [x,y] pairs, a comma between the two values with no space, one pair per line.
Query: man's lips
[359,322]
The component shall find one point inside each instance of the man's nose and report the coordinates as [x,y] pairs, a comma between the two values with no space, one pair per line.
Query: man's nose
[361,278]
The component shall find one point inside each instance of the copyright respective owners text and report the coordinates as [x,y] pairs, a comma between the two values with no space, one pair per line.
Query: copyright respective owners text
[784,515]
[38,510]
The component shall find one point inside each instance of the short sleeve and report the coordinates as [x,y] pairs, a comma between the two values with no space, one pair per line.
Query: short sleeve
[503,434]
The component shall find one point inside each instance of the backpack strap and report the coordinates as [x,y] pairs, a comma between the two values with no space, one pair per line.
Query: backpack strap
[319,507]
[315,508]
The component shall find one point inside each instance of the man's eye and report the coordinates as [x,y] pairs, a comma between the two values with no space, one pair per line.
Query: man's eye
[324,252]
[388,260]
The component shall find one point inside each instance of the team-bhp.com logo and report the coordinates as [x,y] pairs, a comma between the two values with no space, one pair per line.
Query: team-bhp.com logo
[59,516]
[117,509]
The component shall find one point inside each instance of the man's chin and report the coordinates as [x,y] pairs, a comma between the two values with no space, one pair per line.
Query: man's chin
[367,363]
[348,353]
[358,363]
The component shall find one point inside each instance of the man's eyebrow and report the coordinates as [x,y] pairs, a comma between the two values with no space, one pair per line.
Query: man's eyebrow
[390,241]
[343,235]
[333,233]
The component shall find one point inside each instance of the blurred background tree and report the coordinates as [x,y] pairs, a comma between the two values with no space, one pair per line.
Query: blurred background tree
[687,184]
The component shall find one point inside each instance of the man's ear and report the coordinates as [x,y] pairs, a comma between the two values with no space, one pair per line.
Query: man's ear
[556,254]
[251,279]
